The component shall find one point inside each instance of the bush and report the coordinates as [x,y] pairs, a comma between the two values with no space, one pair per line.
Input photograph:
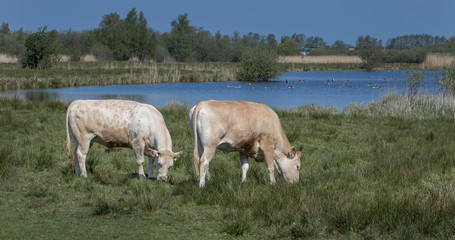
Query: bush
[41,49]
[289,48]
[371,58]
[447,82]
[414,80]
[258,64]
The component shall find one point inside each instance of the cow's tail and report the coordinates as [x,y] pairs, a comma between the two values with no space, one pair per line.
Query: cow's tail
[193,126]
[68,140]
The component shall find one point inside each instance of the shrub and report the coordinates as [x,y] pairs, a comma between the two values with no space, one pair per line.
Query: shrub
[371,58]
[414,80]
[41,49]
[447,82]
[258,64]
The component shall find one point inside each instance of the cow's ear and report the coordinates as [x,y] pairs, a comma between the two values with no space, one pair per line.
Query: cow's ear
[292,153]
[154,153]
[177,154]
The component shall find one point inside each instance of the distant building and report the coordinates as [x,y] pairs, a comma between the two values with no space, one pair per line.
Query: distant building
[305,51]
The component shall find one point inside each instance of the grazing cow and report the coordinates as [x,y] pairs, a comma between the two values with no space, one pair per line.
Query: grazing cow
[119,123]
[250,128]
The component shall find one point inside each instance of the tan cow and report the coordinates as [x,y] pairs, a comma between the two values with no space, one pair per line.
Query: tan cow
[250,128]
[119,123]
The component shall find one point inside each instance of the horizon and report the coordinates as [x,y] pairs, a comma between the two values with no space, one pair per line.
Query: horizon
[344,21]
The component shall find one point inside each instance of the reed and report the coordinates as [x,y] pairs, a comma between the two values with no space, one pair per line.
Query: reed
[320,59]
[437,61]
[410,106]
[70,74]
[7,58]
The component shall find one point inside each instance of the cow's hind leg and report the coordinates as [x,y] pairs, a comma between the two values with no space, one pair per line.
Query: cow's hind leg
[81,151]
[76,159]
[204,166]
[245,165]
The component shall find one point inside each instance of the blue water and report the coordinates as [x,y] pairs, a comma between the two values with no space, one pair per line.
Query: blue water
[338,89]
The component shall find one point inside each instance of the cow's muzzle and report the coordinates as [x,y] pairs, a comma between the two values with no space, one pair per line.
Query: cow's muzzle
[163,178]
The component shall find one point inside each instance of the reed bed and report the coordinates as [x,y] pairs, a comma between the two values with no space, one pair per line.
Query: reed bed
[69,74]
[4,58]
[437,61]
[320,59]
[409,106]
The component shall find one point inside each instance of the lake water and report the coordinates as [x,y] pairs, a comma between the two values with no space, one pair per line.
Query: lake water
[292,89]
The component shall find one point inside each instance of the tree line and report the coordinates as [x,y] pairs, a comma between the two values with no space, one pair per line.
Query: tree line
[121,39]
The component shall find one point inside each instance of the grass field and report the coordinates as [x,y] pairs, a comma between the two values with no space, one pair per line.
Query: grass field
[367,173]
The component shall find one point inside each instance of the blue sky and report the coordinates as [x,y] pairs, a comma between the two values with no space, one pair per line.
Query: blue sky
[330,19]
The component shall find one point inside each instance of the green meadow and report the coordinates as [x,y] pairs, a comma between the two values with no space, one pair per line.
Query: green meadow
[383,171]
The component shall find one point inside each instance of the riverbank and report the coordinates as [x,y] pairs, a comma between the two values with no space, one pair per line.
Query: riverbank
[71,74]
[366,173]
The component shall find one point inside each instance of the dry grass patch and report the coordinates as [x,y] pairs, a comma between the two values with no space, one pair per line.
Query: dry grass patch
[437,61]
[320,59]
[8,59]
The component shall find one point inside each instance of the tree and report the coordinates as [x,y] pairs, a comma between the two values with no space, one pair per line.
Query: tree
[258,64]
[41,48]
[299,39]
[180,38]
[271,41]
[315,42]
[114,35]
[289,48]
[339,45]
[5,28]
[370,52]
[132,28]
[71,44]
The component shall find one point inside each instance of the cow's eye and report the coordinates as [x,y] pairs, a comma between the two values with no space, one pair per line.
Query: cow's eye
[298,167]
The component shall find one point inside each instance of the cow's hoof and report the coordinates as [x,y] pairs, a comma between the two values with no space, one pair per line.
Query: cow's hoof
[152,178]
[141,176]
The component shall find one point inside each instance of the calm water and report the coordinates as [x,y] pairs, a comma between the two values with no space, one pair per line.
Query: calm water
[338,89]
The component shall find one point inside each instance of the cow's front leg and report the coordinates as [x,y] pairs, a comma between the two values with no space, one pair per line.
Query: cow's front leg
[150,171]
[138,148]
[245,165]
[268,155]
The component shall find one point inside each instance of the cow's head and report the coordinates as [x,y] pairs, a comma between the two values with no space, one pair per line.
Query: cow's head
[163,161]
[289,165]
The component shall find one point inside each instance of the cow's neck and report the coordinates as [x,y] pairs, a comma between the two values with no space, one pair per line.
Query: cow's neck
[283,144]
[163,142]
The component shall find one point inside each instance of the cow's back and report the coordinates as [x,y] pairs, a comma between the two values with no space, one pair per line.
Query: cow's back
[114,122]
[239,123]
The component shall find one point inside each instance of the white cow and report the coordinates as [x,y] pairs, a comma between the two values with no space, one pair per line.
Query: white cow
[119,123]
[250,128]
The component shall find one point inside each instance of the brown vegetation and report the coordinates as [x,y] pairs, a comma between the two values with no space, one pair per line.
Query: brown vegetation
[437,61]
[7,58]
[320,59]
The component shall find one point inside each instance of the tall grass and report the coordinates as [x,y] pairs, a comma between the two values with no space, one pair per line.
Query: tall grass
[70,74]
[410,106]
[437,61]
[320,59]
[381,171]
